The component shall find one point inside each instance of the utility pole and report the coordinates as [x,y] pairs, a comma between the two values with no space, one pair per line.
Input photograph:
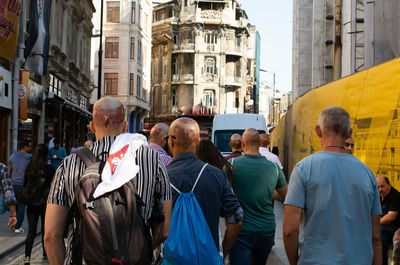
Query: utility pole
[100,52]
[18,61]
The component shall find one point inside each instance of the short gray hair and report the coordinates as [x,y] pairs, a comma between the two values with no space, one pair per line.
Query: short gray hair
[335,119]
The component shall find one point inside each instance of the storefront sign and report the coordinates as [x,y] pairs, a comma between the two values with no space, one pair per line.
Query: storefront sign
[23,95]
[9,21]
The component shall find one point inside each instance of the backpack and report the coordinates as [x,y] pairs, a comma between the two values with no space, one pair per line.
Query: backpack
[111,227]
[190,240]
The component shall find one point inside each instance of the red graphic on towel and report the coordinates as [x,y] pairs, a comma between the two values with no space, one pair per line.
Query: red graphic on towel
[114,159]
[114,260]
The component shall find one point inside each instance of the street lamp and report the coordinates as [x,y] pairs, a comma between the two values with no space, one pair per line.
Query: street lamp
[154,96]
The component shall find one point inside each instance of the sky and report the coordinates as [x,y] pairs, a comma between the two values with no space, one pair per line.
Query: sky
[274,21]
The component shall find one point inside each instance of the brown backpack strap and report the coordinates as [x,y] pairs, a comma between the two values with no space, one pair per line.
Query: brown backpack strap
[86,156]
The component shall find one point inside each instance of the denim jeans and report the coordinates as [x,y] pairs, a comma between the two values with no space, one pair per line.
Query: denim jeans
[20,207]
[252,248]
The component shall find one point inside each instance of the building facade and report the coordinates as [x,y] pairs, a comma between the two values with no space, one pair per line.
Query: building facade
[68,82]
[203,60]
[333,39]
[58,99]
[126,56]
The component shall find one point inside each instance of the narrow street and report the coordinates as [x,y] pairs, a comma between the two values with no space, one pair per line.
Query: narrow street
[13,244]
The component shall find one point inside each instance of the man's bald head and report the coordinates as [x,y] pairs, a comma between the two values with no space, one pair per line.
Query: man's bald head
[186,133]
[158,133]
[265,140]
[109,115]
[251,137]
[236,142]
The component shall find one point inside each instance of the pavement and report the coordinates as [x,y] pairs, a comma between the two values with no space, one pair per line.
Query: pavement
[9,241]
[12,245]
[278,254]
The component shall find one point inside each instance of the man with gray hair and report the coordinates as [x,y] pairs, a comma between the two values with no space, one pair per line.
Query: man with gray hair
[340,200]
[158,141]
[151,182]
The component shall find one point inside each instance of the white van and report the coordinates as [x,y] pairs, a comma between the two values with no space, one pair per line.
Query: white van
[225,125]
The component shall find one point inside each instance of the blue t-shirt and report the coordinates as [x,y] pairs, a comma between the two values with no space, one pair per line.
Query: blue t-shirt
[338,194]
[55,162]
[213,191]
[19,161]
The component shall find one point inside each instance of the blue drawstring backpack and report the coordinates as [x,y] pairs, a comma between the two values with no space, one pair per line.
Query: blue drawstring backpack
[190,240]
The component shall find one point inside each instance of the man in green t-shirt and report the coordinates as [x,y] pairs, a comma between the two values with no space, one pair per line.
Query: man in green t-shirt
[254,181]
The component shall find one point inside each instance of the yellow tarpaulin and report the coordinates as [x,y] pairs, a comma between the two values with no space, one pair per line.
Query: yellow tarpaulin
[372,98]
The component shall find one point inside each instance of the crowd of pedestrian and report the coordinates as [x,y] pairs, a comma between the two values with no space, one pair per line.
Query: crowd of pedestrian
[115,200]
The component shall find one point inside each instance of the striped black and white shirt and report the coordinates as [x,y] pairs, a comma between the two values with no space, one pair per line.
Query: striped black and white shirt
[151,181]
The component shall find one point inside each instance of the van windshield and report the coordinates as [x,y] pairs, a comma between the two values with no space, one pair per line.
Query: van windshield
[223,137]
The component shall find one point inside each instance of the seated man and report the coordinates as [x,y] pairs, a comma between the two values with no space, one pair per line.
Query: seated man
[390,220]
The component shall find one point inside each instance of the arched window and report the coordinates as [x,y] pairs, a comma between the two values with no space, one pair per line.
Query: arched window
[208,97]
[209,64]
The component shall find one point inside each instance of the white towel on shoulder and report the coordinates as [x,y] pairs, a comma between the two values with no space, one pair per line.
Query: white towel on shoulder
[120,167]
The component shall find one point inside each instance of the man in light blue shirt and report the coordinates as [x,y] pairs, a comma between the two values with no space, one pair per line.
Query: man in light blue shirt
[340,199]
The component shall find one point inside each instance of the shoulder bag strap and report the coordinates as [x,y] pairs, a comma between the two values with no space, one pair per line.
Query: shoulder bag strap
[86,156]
[198,177]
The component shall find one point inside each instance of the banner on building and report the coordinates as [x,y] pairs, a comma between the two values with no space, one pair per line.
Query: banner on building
[37,45]
[23,94]
[9,27]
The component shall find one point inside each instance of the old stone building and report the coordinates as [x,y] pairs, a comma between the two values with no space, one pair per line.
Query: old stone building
[203,60]
[126,56]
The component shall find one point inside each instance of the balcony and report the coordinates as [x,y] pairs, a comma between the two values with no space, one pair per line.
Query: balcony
[210,77]
[211,14]
[234,51]
[184,48]
[182,79]
[234,81]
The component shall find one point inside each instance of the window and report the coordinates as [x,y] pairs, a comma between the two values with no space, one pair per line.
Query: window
[173,97]
[236,102]
[138,86]
[209,64]
[133,12]
[185,2]
[174,65]
[208,98]
[131,84]
[83,102]
[210,38]
[188,59]
[238,41]
[139,20]
[110,84]
[113,11]
[55,85]
[132,48]
[112,47]
[237,69]
[139,50]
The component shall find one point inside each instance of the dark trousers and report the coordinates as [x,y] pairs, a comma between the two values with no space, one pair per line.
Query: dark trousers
[20,207]
[252,248]
[387,232]
[33,213]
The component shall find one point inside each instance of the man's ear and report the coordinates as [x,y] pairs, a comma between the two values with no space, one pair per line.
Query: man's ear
[91,126]
[318,130]
[125,127]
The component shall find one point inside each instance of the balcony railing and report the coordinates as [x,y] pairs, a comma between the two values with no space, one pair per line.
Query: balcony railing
[211,14]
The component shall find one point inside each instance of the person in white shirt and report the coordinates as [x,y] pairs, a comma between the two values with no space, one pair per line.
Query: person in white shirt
[264,150]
